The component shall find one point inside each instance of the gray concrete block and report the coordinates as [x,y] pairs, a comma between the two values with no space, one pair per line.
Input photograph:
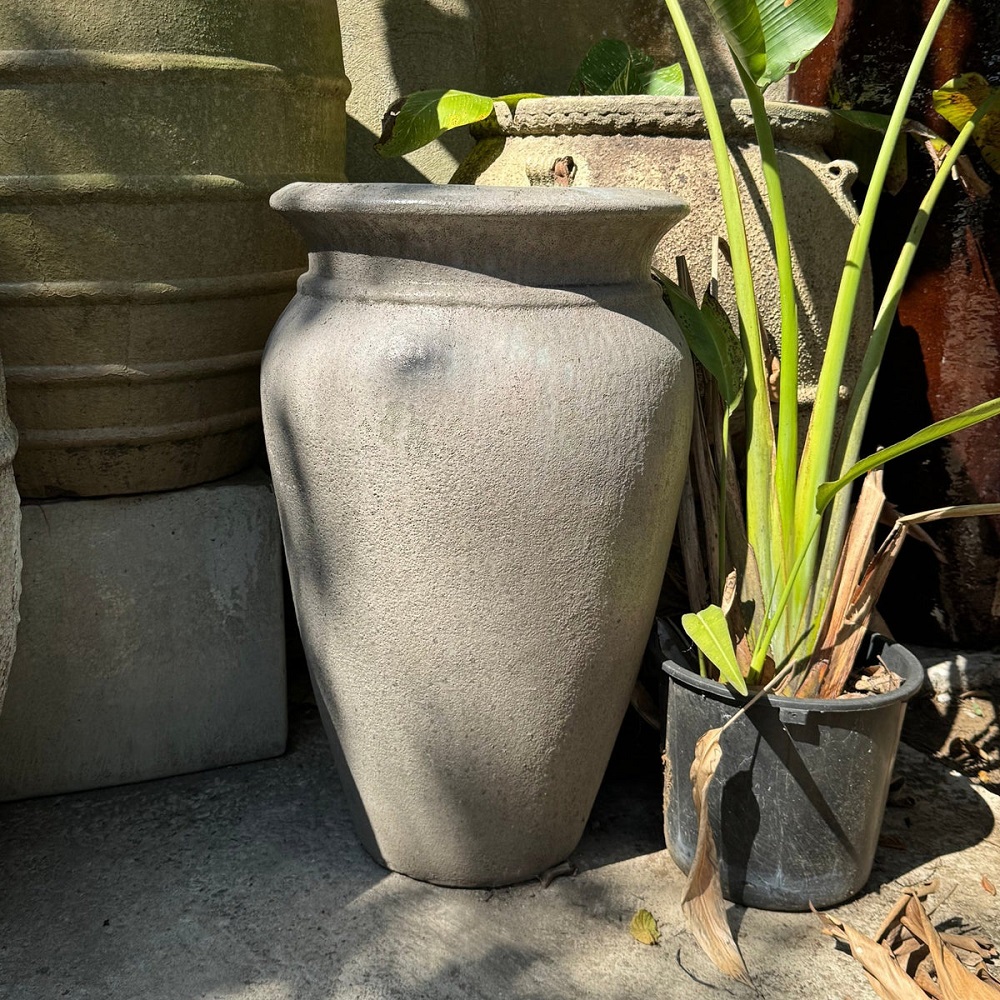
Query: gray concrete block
[151,639]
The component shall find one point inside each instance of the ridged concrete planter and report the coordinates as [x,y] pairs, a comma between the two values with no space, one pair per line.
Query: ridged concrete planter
[10,546]
[141,267]
[477,412]
[662,143]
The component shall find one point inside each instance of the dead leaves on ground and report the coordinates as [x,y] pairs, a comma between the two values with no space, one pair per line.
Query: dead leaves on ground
[909,959]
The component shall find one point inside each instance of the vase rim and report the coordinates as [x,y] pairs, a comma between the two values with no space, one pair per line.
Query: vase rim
[476,201]
[644,114]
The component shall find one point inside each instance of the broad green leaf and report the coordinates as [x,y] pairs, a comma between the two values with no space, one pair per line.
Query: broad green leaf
[771,37]
[710,340]
[667,81]
[792,29]
[957,102]
[740,23]
[419,118]
[709,631]
[612,67]
[936,431]
[859,138]
[643,928]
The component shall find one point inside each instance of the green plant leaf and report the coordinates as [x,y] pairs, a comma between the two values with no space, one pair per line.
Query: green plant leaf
[957,101]
[727,345]
[612,67]
[709,631]
[419,118]
[643,928]
[771,37]
[667,81]
[859,137]
[740,23]
[967,418]
[711,338]
[792,29]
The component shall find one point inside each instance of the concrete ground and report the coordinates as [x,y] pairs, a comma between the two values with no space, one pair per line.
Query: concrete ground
[247,883]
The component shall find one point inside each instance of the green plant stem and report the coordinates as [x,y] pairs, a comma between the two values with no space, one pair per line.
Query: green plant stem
[776,614]
[815,462]
[787,450]
[861,397]
[723,475]
[760,430]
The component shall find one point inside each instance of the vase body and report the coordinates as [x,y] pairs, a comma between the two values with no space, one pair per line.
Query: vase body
[796,803]
[141,267]
[943,354]
[477,413]
[10,545]
[662,143]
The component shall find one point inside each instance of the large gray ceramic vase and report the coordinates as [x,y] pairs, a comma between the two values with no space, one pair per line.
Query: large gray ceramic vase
[477,413]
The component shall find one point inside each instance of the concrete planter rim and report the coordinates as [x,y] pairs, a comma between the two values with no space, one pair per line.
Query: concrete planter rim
[642,114]
[471,200]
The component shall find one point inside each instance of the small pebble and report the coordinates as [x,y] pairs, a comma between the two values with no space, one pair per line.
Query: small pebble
[944,698]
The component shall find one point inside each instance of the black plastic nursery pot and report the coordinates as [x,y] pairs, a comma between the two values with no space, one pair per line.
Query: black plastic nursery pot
[797,801]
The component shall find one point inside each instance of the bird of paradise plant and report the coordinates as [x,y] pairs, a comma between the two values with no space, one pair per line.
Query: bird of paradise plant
[793,569]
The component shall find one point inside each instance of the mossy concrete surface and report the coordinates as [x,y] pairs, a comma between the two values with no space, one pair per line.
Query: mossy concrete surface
[249,884]
[141,266]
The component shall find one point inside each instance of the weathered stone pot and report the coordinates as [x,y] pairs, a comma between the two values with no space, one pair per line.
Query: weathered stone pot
[662,143]
[477,413]
[140,267]
[10,545]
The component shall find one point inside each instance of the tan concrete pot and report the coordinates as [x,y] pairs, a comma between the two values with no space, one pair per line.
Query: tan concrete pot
[477,413]
[658,142]
[141,267]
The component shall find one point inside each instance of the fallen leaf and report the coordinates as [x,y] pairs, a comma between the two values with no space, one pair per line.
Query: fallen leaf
[888,980]
[643,928]
[953,978]
[988,886]
[702,903]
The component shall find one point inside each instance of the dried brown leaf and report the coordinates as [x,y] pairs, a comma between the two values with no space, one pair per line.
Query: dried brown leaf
[954,979]
[842,631]
[969,943]
[988,885]
[702,902]
[888,980]
[689,540]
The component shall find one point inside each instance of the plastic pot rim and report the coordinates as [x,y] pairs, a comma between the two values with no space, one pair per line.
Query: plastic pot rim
[912,682]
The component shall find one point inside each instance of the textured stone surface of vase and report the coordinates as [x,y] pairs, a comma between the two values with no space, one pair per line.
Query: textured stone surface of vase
[477,412]
[10,545]
[140,266]
[662,143]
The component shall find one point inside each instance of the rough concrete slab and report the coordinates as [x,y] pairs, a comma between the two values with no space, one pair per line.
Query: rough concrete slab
[151,640]
[248,884]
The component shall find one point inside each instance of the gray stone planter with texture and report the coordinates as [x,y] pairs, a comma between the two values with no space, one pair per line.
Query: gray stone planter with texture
[477,413]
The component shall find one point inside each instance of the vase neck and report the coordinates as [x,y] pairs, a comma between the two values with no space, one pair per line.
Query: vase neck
[543,237]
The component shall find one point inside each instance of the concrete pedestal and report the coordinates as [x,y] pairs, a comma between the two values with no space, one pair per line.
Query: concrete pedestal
[151,640]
